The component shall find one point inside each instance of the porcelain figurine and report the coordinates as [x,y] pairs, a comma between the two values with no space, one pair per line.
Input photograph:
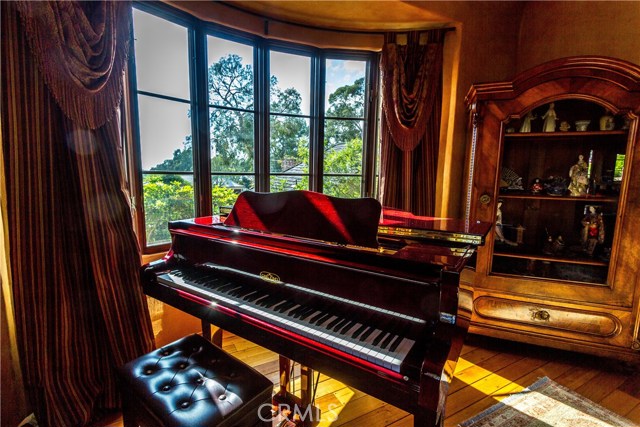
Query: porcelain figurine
[592,230]
[578,176]
[526,124]
[606,122]
[550,118]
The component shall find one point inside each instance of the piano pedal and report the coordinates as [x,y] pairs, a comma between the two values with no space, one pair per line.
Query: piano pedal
[289,407]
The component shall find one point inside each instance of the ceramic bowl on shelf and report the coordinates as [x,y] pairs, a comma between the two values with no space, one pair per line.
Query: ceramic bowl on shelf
[581,125]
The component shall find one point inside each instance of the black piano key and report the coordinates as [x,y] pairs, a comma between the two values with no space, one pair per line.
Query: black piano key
[283,306]
[251,296]
[334,322]
[307,313]
[227,286]
[238,291]
[379,338]
[385,342]
[346,327]
[290,305]
[295,313]
[322,319]
[394,329]
[395,343]
[272,300]
[317,316]
[358,331]
[261,299]
[366,333]
[339,325]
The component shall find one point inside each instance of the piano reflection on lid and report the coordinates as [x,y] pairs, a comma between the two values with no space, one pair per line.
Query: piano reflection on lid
[366,295]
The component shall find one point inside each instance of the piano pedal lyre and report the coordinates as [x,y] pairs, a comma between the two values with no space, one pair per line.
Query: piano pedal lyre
[293,410]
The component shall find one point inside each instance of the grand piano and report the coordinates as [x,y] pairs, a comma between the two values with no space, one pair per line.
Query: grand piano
[366,295]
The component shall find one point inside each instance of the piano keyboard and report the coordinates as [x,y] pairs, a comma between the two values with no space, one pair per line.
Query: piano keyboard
[376,336]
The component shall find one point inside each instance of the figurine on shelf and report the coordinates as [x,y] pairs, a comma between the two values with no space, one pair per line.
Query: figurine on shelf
[555,186]
[606,121]
[550,118]
[499,231]
[547,248]
[592,230]
[536,186]
[564,126]
[558,245]
[520,234]
[578,176]
[526,124]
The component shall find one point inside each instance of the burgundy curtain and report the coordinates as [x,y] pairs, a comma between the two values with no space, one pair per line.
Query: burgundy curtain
[80,311]
[411,77]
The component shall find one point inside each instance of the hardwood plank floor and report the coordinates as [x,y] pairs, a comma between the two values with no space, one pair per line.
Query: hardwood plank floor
[487,372]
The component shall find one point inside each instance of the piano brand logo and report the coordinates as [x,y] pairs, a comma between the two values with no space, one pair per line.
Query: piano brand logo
[270,277]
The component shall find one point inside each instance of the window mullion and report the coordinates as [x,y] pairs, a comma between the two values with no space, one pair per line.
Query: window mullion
[261,100]
[316,138]
[200,121]
[371,127]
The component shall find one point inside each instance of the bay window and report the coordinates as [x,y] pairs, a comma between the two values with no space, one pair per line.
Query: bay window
[214,112]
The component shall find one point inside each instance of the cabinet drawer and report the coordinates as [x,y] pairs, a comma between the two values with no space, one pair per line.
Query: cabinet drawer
[547,317]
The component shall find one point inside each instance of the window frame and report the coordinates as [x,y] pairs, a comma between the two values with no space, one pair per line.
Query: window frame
[198,31]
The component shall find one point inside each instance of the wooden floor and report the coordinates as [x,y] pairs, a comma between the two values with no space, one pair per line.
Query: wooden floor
[488,370]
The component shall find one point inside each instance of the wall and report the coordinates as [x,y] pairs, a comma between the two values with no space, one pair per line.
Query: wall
[551,30]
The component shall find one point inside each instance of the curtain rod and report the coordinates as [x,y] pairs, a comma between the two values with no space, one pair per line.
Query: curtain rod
[313,27]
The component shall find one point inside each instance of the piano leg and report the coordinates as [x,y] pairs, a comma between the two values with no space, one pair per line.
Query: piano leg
[206,330]
[427,419]
[302,411]
[216,338]
[285,375]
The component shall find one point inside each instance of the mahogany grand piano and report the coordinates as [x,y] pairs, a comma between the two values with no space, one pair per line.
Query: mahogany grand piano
[368,299]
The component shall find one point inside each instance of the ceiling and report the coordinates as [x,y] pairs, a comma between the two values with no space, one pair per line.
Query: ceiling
[346,15]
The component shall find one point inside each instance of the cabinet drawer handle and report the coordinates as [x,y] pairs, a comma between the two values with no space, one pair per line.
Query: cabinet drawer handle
[539,314]
[485,199]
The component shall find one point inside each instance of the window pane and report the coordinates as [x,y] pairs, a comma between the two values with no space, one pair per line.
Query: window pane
[342,186]
[166,198]
[344,88]
[289,145]
[290,83]
[230,73]
[231,140]
[162,59]
[226,188]
[343,146]
[165,134]
[288,182]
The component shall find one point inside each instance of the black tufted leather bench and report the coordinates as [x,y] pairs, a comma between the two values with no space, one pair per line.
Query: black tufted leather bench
[192,383]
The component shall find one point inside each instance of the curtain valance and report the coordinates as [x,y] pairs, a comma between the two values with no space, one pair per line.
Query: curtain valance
[81,49]
[410,74]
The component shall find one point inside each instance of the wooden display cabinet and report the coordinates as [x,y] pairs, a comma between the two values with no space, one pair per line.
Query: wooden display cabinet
[547,276]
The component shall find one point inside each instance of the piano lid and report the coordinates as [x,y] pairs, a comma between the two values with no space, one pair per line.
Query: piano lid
[398,223]
[214,228]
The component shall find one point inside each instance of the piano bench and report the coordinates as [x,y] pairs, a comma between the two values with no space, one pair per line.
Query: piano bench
[191,382]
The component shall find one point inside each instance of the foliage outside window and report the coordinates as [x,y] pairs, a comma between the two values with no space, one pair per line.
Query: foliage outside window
[292,149]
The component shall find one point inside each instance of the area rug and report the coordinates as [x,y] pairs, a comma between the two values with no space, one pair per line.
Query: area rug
[547,404]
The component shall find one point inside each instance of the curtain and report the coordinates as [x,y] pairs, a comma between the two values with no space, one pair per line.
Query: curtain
[411,76]
[78,303]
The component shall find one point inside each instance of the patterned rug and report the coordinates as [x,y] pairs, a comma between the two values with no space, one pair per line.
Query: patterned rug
[547,404]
